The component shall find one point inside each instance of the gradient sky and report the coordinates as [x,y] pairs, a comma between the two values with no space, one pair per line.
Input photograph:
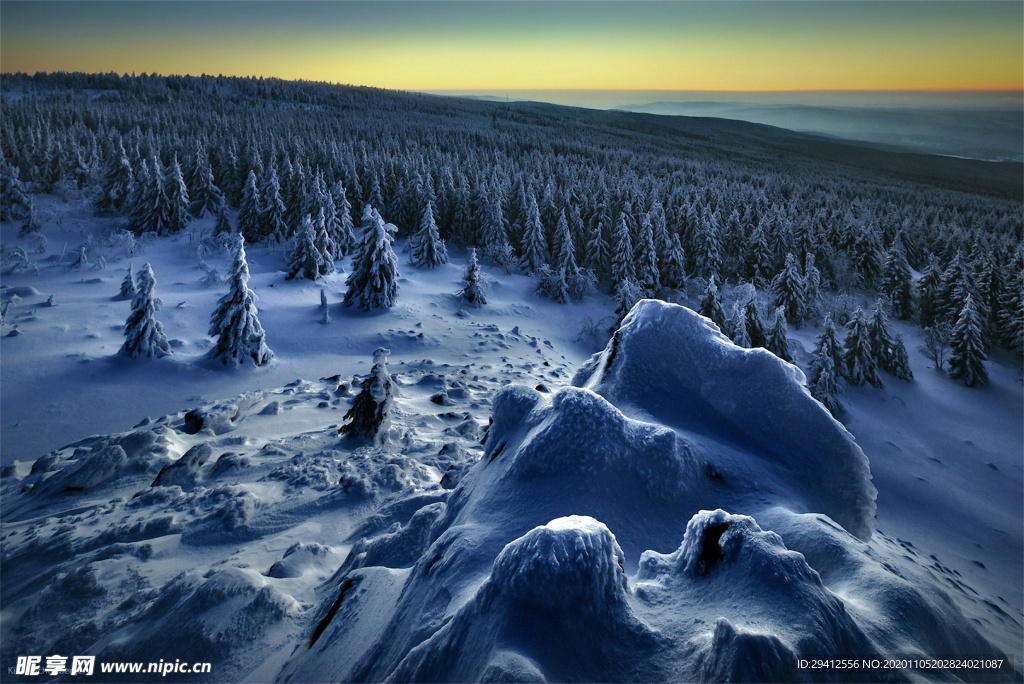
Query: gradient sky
[425,45]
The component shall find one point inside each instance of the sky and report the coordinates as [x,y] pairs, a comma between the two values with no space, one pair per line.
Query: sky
[580,45]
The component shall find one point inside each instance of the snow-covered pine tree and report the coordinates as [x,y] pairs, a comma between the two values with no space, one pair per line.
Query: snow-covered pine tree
[345,238]
[859,360]
[897,282]
[790,291]
[812,288]
[825,386]
[927,287]
[900,360]
[249,210]
[967,360]
[305,259]
[473,289]
[173,203]
[673,264]
[272,212]
[880,337]
[623,264]
[711,305]
[428,248]
[115,188]
[143,201]
[535,245]
[203,191]
[128,285]
[738,327]
[627,293]
[755,326]
[776,341]
[144,335]
[235,321]
[373,283]
[325,246]
[1010,321]
[369,417]
[223,225]
[647,272]
[826,345]
[706,247]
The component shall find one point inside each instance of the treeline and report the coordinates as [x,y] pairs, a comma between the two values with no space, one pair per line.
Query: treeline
[580,201]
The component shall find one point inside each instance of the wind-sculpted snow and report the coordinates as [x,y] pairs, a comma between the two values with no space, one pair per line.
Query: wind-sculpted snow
[650,525]
[672,364]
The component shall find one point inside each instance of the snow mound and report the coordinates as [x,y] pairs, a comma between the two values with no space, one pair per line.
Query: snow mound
[570,563]
[673,364]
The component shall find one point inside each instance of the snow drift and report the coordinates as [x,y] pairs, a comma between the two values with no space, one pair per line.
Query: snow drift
[550,560]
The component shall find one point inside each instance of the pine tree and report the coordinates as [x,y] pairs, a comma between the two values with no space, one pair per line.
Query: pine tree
[900,360]
[627,293]
[1010,320]
[117,182]
[144,201]
[249,210]
[825,345]
[202,190]
[882,345]
[223,225]
[647,272]
[325,246]
[967,360]
[345,238]
[860,361]
[428,248]
[473,290]
[928,286]
[272,212]
[673,264]
[790,291]
[776,341]
[897,282]
[305,259]
[534,252]
[738,327]
[373,283]
[623,263]
[235,323]
[173,202]
[370,415]
[754,324]
[144,335]
[711,305]
[706,247]
[128,285]
[812,288]
[825,386]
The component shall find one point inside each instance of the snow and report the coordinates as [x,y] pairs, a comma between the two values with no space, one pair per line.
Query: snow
[671,508]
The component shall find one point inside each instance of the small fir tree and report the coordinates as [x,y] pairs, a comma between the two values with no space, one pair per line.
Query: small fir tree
[860,361]
[473,288]
[305,259]
[370,415]
[373,283]
[428,248]
[235,322]
[249,222]
[711,305]
[897,282]
[900,360]
[825,345]
[967,360]
[144,335]
[534,252]
[128,285]
[790,291]
[776,340]
[754,324]
[825,386]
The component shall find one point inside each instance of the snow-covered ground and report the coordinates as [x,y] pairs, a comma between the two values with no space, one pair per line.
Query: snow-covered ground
[568,543]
